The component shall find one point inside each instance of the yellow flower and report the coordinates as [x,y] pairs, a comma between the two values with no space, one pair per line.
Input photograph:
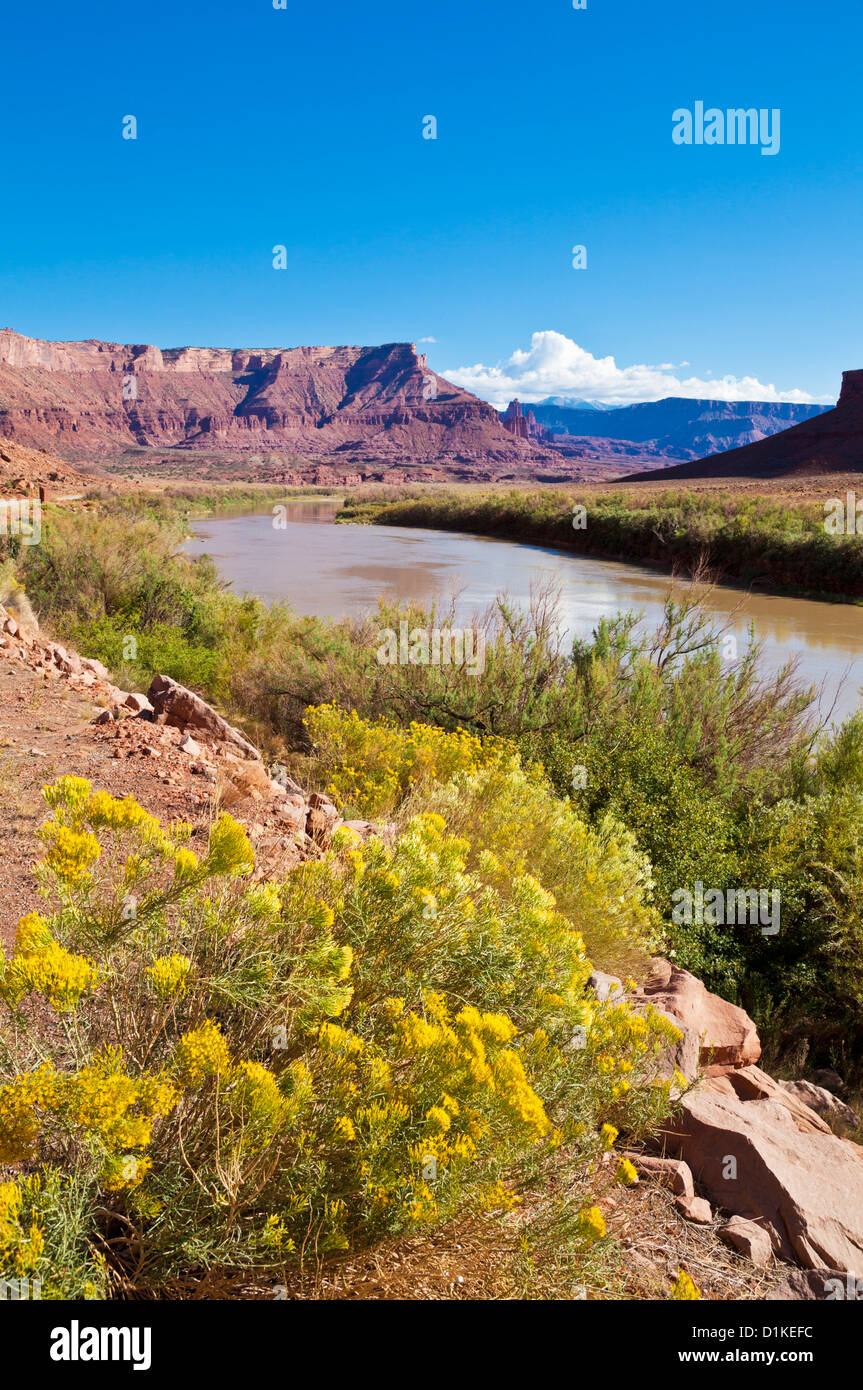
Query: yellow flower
[607,1136]
[20,1249]
[169,975]
[497,1028]
[123,1172]
[200,1054]
[21,1101]
[339,1040]
[499,1198]
[229,852]
[591,1224]
[423,1208]
[321,916]
[185,863]
[419,1036]
[42,966]
[626,1173]
[104,1100]
[70,793]
[70,852]
[517,1093]
[683,1289]
[32,933]
[255,1095]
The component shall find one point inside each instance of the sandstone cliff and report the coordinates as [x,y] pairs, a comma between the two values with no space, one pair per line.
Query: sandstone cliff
[91,399]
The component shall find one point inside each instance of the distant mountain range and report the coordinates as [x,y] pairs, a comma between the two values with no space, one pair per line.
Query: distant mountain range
[829,442]
[575,403]
[665,431]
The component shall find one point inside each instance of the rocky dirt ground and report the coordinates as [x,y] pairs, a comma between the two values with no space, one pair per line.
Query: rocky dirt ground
[24,470]
[60,714]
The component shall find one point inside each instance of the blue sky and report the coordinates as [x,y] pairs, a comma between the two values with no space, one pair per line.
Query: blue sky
[303,127]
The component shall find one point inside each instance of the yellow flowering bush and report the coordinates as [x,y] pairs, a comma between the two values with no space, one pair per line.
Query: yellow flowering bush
[371,764]
[513,820]
[506,811]
[238,1071]
[627,1173]
[591,1225]
[20,1244]
[39,965]
[168,974]
[201,1054]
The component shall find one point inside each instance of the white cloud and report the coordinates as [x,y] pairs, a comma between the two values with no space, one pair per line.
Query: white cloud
[427,340]
[556,366]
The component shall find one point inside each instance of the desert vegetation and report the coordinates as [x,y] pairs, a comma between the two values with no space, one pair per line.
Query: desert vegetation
[207,1073]
[720,774]
[242,1075]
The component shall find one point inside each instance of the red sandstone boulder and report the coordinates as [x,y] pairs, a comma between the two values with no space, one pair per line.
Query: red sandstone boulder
[727,1036]
[89,663]
[368,829]
[822,1101]
[606,986]
[68,662]
[683,1055]
[670,1172]
[138,703]
[321,820]
[695,1209]
[775,1162]
[797,1285]
[751,1083]
[749,1239]
[174,704]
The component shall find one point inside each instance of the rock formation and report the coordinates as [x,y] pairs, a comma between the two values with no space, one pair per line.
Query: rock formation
[172,703]
[32,472]
[339,404]
[522,425]
[726,1035]
[752,1145]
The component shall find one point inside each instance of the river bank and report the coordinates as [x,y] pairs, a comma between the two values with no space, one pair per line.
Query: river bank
[751,539]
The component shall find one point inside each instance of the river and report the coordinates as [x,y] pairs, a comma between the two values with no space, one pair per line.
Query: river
[329,570]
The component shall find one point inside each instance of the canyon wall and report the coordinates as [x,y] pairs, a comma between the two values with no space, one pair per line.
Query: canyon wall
[351,404]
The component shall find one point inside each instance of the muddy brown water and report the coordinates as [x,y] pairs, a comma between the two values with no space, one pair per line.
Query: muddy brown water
[331,571]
